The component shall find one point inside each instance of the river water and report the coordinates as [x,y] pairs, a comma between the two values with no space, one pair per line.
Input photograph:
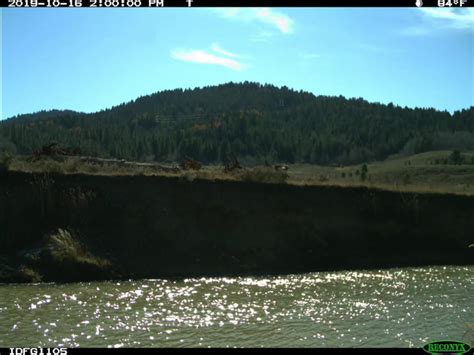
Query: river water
[405,307]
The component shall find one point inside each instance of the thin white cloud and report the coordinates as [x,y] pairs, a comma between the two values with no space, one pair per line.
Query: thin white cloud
[203,57]
[216,48]
[276,19]
[435,19]
[456,18]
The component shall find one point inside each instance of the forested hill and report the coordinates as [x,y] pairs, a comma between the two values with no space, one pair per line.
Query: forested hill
[255,122]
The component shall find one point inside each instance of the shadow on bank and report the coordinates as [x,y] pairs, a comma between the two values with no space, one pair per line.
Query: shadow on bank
[69,228]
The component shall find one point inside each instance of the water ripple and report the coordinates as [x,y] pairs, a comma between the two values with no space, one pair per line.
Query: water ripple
[397,307]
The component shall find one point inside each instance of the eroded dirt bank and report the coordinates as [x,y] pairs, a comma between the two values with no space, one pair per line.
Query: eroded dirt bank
[81,227]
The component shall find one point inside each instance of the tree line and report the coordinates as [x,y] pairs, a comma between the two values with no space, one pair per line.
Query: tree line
[254,122]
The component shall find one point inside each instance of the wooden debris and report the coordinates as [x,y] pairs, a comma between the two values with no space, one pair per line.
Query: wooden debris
[232,165]
[190,164]
[54,149]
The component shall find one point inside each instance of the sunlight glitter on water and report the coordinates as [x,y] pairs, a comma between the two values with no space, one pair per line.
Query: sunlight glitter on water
[395,307]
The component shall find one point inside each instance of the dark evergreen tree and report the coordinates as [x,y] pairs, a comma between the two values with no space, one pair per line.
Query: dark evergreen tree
[249,120]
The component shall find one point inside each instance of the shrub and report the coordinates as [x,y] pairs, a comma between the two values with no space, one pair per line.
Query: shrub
[265,175]
[363,174]
[5,162]
[456,157]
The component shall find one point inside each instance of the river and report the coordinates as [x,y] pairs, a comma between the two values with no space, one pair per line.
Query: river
[404,307]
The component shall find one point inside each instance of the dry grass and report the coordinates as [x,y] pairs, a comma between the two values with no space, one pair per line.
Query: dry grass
[65,247]
[264,175]
[417,173]
[74,165]
[29,274]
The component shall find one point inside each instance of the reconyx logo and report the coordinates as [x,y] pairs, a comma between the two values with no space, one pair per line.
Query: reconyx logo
[446,347]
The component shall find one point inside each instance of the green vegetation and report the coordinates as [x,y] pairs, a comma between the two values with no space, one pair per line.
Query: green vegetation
[413,173]
[255,122]
[456,157]
[5,162]
[325,140]
[150,218]
[363,174]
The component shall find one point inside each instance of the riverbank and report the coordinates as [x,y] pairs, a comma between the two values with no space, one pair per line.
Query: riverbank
[429,172]
[65,228]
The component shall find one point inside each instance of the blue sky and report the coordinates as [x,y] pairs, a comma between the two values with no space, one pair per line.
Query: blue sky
[91,59]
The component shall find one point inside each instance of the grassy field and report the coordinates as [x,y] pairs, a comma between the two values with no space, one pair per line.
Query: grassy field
[425,172]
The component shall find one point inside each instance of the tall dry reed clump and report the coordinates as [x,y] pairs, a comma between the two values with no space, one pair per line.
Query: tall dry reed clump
[63,246]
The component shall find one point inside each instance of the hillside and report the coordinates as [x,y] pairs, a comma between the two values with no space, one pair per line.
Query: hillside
[255,122]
